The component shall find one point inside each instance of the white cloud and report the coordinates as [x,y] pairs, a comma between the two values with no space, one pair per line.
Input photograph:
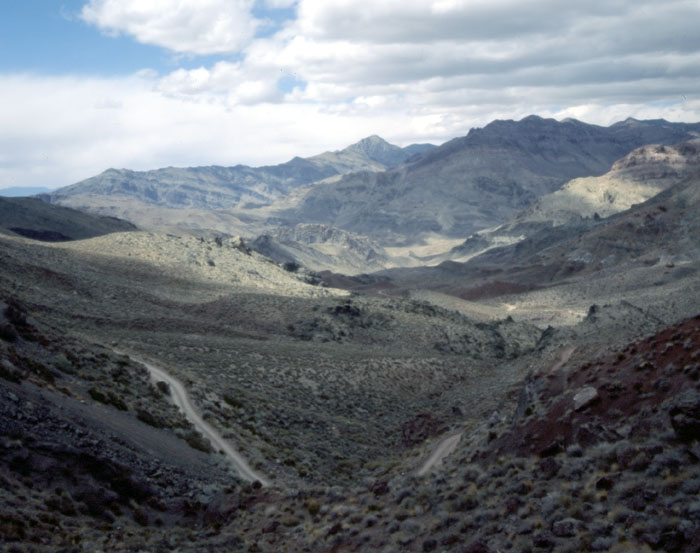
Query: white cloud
[230,83]
[185,26]
[279,4]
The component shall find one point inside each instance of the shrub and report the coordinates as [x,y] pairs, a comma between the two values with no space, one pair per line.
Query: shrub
[232,401]
[313,507]
[108,398]
[7,333]
[196,441]
[148,418]
[10,375]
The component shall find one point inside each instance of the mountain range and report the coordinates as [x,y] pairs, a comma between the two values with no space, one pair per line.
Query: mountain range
[217,188]
[397,196]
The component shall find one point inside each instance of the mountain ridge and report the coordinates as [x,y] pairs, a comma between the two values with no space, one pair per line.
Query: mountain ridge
[476,181]
[220,187]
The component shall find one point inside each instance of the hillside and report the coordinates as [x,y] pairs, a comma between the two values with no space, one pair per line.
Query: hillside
[632,180]
[635,178]
[35,219]
[381,423]
[320,247]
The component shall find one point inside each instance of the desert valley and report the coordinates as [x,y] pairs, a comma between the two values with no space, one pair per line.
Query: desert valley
[483,346]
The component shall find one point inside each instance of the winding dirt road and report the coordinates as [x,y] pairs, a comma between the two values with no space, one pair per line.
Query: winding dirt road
[444,448]
[179,396]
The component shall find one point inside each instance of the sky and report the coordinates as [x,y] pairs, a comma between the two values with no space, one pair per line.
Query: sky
[86,85]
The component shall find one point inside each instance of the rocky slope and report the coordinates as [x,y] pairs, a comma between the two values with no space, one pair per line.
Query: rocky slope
[383,423]
[220,316]
[635,178]
[313,386]
[596,449]
[477,181]
[88,441]
[601,454]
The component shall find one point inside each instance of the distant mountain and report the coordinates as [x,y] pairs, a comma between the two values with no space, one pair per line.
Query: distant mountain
[32,218]
[477,181]
[20,191]
[417,149]
[663,230]
[217,187]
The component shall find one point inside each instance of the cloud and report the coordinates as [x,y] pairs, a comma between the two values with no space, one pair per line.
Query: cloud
[230,83]
[279,4]
[438,49]
[368,43]
[184,26]
[414,21]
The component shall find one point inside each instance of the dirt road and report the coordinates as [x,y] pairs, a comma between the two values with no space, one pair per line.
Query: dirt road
[444,448]
[182,400]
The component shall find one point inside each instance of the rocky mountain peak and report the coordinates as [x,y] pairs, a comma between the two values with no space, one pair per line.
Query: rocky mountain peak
[376,148]
[371,141]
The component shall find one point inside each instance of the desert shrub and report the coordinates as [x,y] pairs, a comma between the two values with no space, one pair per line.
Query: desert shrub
[313,507]
[97,395]
[17,318]
[63,364]
[12,527]
[148,418]
[232,401]
[7,333]
[118,402]
[36,368]
[10,375]
[108,398]
[196,441]
[140,517]
[291,266]
[14,314]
